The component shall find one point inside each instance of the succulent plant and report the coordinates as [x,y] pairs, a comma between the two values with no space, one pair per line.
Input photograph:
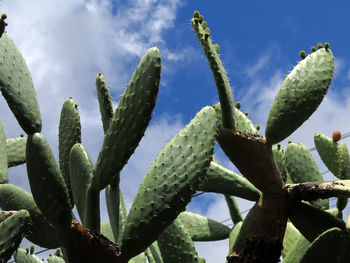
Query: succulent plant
[290,216]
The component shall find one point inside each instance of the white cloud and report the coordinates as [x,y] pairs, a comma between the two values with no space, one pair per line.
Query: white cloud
[66,43]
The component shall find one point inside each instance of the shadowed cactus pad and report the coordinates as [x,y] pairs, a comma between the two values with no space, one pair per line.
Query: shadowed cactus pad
[176,244]
[13,197]
[201,228]
[11,233]
[46,182]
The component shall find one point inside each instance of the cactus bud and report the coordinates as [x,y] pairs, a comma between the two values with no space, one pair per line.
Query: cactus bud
[246,113]
[196,14]
[326,45]
[319,45]
[279,146]
[336,136]
[31,250]
[238,105]
[204,24]
[313,48]
[217,48]
[3,24]
[207,33]
[257,127]
[302,54]
[196,20]
[289,142]
[200,19]
[21,135]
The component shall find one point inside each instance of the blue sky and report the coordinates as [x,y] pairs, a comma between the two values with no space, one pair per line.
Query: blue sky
[66,43]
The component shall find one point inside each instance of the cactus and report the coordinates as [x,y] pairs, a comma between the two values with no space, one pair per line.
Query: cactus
[287,186]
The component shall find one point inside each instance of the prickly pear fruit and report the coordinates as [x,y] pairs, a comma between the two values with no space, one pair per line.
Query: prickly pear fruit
[336,135]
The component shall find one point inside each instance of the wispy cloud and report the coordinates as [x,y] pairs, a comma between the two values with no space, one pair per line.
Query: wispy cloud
[66,43]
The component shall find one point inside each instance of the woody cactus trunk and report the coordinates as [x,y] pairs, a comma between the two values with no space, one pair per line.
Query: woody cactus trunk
[291,216]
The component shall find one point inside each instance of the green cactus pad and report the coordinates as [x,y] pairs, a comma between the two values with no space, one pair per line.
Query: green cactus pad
[312,221]
[12,231]
[106,230]
[46,182]
[278,156]
[222,83]
[176,244]
[201,228]
[16,151]
[170,182]
[116,210]
[55,259]
[334,155]
[69,133]
[92,214]
[218,179]
[153,253]
[242,122]
[140,258]
[40,230]
[292,234]
[330,246]
[302,167]
[81,171]
[16,86]
[232,205]
[130,120]
[297,251]
[299,95]
[233,235]
[3,157]
[104,100]
[23,256]
[149,256]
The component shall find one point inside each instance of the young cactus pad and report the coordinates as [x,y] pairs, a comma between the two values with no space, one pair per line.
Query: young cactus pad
[300,94]
[130,120]
[170,182]
[69,133]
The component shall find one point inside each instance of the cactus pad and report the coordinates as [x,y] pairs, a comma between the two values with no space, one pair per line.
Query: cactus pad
[17,86]
[299,95]
[170,182]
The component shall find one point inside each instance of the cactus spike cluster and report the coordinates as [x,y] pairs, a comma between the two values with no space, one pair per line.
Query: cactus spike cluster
[290,217]
[222,83]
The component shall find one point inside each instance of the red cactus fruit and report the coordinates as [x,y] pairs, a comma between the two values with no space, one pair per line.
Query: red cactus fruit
[336,136]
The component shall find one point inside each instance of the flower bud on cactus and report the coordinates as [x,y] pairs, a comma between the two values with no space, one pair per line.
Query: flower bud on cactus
[336,136]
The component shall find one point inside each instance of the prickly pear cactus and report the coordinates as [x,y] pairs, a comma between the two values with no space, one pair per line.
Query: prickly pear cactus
[290,216]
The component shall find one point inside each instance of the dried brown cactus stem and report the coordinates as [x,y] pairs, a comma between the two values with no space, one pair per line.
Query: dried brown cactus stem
[261,235]
[83,245]
[310,191]
[254,159]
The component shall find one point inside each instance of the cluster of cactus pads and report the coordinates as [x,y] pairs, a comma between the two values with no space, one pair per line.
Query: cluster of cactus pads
[291,216]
